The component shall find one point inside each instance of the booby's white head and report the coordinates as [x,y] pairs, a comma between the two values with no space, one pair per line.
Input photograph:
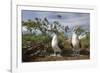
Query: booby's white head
[75,32]
[75,29]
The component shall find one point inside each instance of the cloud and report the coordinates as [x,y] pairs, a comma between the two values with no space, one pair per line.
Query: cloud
[67,18]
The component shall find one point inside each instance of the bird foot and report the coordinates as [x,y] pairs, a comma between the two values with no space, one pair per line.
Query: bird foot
[58,55]
[53,55]
[76,53]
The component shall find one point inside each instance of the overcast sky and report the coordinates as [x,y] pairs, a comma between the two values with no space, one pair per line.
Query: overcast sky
[67,18]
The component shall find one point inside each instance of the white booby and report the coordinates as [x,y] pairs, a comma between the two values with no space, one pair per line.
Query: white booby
[54,43]
[55,47]
[76,43]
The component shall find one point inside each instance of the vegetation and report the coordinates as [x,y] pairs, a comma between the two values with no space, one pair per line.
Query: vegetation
[33,41]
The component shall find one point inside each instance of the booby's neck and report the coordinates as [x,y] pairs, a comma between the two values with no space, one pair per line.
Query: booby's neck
[55,37]
[74,36]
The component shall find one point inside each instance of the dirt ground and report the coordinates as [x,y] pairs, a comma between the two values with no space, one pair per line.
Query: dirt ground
[65,56]
[52,58]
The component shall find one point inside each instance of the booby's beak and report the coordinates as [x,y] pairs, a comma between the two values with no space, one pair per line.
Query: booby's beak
[75,29]
[66,28]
